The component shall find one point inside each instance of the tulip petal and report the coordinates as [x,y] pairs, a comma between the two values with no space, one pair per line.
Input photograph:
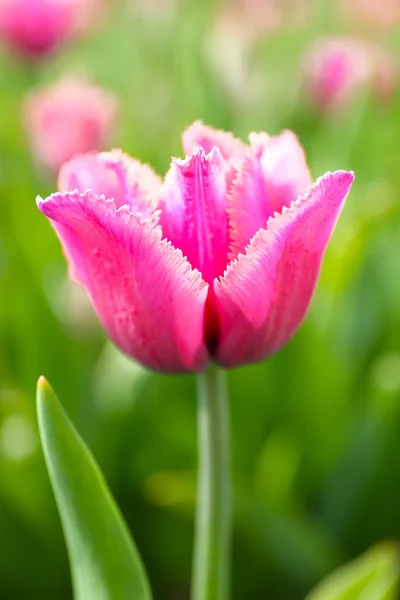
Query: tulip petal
[207,138]
[272,177]
[285,170]
[264,294]
[193,211]
[248,206]
[114,175]
[146,294]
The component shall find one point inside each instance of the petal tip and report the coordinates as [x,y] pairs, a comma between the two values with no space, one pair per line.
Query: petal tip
[199,154]
[343,178]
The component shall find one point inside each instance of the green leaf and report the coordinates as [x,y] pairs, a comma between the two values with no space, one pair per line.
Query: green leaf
[373,576]
[105,563]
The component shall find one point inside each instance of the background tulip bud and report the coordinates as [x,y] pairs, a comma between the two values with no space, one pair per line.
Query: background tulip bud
[36,27]
[71,116]
[335,70]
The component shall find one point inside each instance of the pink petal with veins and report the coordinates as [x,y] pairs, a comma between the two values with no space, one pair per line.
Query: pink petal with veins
[149,299]
[249,206]
[265,293]
[207,138]
[116,176]
[232,149]
[193,217]
[271,177]
[285,170]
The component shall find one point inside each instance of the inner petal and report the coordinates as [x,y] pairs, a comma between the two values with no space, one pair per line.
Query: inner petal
[271,177]
[285,171]
[115,176]
[194,211]
[233,150]
[198,134]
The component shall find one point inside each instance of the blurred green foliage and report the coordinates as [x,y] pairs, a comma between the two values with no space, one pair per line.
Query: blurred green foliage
[316,429]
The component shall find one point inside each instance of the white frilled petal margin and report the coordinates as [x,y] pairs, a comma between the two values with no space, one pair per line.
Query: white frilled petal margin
[264,294]
[148,297]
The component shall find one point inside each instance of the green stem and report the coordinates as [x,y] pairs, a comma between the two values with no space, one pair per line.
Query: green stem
[214,503]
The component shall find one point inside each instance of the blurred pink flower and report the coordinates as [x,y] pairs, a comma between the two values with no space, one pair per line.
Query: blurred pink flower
[69,117]
[218,262]
[35,27]
[257,17]
[380,14]
[336,69]
[229,45]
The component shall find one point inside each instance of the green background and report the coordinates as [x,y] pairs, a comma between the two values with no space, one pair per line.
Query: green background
[315,429]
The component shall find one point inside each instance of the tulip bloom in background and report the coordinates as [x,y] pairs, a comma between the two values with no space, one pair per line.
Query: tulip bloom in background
[36,27]
[380,14]
[238,26]
[336,69]
[70,116]
[256,17]
[216,263]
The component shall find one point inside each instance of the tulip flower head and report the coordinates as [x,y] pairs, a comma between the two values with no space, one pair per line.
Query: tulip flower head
[36,27]
[217,262]
[336,69]
[69,117]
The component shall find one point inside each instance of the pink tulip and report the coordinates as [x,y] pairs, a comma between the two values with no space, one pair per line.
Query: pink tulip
[336,69]
[218,262]
[35,27]
[69,117]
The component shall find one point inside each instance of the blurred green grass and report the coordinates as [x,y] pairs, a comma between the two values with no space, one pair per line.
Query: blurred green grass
[315,429]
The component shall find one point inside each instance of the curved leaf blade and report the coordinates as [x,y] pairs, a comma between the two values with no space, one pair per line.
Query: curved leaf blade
[373,576]
[105,563]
